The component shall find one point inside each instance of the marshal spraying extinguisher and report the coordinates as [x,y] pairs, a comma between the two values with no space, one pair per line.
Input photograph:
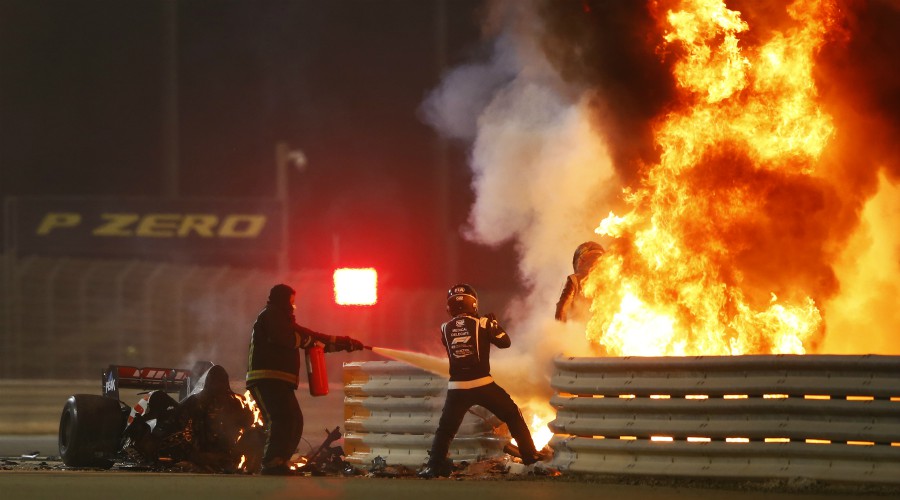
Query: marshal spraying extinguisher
[316,371]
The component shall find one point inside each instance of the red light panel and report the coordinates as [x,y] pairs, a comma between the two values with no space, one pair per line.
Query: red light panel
[355,287]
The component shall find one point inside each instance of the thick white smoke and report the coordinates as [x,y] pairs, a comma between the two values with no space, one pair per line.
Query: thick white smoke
[542,178]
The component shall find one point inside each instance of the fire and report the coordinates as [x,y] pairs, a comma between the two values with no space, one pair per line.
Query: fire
[677,279]
[540,433]
[541,415]
[248,402]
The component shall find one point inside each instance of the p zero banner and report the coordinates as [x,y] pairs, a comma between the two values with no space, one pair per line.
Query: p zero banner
[180,229]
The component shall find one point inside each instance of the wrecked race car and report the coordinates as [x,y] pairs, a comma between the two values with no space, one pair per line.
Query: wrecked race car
[209,428]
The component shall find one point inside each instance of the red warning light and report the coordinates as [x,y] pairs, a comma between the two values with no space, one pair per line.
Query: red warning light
[355,287]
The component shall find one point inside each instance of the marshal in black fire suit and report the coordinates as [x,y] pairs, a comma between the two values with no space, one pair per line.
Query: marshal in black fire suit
[468,338]
[274,373]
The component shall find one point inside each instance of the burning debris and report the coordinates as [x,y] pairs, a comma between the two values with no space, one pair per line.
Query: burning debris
[326,459]
[212,429]
[509,464]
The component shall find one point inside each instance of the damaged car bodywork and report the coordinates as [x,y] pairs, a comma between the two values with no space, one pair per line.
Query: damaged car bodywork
[209,427]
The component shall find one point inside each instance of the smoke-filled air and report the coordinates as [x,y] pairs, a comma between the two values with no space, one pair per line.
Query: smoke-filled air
[737,160]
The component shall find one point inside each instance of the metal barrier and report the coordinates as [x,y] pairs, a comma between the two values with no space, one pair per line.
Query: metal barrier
[819,417]
[392,409]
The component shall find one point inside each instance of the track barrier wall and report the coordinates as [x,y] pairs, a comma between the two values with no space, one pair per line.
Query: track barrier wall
[822,417]
[391,410]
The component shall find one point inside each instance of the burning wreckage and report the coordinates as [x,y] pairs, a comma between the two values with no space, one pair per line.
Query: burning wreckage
[209,428]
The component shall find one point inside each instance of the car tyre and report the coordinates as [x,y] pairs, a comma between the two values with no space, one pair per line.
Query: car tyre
[89,430]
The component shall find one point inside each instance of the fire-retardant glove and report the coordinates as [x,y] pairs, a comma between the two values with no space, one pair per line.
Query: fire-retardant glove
[347,344]
[492,320]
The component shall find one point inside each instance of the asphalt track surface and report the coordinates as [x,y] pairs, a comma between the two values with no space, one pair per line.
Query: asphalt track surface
[73,485]
[45,477]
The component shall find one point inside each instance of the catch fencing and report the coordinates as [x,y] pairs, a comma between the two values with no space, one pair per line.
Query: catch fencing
[69,318]
[831,418]
[391,410]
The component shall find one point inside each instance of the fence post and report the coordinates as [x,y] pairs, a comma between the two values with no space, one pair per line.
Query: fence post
[51,311]
[149,339]
[179,308]
[84,327]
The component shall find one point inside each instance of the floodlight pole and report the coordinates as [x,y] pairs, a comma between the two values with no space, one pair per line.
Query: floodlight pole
[281,194]
[284,159]
[170,146]
[449,237]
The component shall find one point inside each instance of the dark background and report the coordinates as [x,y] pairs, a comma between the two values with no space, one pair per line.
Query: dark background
[85,111]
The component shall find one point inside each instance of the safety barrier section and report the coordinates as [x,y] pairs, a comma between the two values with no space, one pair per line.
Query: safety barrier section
[821,417]
[391,410]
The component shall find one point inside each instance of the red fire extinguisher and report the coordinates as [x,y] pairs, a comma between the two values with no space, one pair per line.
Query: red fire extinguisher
[316,371]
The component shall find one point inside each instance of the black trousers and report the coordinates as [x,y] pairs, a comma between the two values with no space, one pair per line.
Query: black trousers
[283,419]
[493,398]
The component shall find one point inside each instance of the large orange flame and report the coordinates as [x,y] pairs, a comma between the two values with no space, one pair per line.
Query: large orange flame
[672,282]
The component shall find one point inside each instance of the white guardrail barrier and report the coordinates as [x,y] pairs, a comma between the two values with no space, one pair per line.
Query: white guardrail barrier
[823,417]
[391,410]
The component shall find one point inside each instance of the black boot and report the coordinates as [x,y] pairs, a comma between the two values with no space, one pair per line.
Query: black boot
[436,468]
[538,456]
[276,470]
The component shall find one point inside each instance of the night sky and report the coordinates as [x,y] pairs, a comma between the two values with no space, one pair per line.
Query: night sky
[82,105]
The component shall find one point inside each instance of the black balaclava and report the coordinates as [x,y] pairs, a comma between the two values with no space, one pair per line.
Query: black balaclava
[280,296]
